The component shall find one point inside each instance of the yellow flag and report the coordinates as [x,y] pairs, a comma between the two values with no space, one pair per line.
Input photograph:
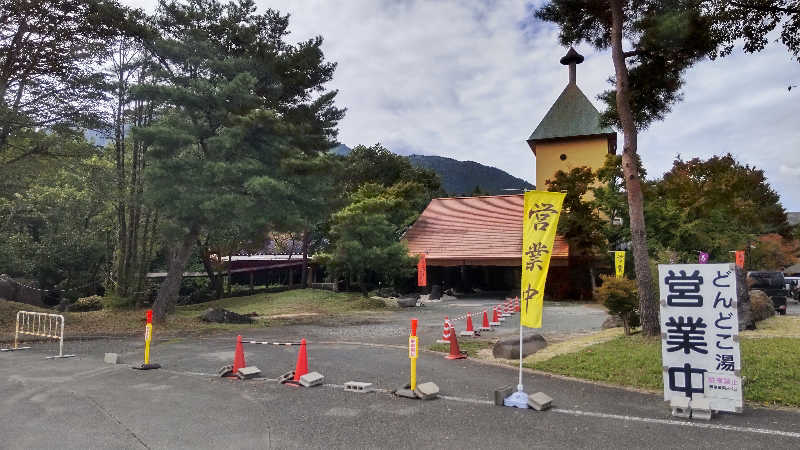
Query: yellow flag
[539,224]
[619,263]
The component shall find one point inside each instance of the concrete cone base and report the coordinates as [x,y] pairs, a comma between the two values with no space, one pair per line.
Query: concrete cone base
[144,366]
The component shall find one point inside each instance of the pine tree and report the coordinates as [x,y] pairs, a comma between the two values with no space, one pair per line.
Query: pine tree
[240,106]
[667,38]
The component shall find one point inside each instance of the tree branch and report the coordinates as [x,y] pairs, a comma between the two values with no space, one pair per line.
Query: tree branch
[630,53]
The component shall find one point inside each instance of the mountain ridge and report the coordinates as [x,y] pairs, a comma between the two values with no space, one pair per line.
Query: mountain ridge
[463,177]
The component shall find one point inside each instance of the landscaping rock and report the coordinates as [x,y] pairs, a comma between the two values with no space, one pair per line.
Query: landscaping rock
[224,316]
[15,292]
[761,305]
[744,306]
[612,322]
[508,348]
[407,302]
[387,292]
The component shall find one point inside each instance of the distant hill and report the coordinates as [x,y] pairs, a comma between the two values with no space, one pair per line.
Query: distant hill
[461,177]
[341,150]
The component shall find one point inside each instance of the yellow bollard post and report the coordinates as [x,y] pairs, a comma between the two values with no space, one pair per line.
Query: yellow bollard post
[148,336]
[413,344]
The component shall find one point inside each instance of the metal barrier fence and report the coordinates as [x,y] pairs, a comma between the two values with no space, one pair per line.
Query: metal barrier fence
[41,325]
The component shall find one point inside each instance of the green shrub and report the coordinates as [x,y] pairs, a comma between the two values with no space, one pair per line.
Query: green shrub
[620,296]
[93,303]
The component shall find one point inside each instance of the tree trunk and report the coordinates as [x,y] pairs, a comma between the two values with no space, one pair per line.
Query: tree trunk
[168,291]
[230,262]
[304,270]
[362,284]
[121,194]
[648,306]
[626,317]
[214,279]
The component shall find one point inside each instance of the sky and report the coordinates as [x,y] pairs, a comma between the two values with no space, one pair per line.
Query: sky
[471,79]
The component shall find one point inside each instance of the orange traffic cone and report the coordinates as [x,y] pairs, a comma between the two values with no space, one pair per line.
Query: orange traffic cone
[238,357]
[446,331]
[516,304]
[301,368]
[455,352]
[469,331]
[495,320]
[485,324]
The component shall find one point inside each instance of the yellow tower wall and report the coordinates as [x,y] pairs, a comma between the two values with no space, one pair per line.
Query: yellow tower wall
[589,152]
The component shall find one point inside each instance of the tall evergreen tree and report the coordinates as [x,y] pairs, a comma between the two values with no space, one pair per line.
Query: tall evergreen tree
[241,106]
[50,51]
[666,38]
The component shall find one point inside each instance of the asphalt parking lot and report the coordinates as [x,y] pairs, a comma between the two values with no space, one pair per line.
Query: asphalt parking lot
[84,403]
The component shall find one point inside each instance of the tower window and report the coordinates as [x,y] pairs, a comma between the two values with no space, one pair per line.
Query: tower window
[563,156]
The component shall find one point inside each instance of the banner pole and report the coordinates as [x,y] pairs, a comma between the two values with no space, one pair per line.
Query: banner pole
[519,386]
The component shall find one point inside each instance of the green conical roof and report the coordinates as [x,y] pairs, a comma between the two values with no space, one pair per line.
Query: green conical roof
[571,115]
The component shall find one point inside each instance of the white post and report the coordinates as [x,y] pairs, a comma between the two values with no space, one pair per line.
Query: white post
[61,341]
[16,331]
[518,399]
[519,385]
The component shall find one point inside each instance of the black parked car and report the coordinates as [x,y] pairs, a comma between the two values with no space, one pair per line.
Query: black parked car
[774,285]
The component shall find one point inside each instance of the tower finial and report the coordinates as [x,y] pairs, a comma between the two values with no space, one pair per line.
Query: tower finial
[571,59]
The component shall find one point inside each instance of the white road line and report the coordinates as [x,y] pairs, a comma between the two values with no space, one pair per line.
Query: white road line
[679,423]
[574,412]
[467,400]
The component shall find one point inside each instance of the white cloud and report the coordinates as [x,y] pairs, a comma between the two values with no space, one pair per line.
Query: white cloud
[472,79]
[789,170]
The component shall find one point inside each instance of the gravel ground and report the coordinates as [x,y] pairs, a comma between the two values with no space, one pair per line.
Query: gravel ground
[392,327]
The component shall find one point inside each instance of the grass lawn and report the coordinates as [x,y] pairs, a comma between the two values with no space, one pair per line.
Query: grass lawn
[271,308]
[288,304]
[471,346]
[771,366]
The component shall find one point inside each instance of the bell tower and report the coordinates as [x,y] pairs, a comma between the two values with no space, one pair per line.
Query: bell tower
[570,134]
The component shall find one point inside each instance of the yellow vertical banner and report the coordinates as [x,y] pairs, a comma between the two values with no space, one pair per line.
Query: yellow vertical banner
[539,224]
[619,263]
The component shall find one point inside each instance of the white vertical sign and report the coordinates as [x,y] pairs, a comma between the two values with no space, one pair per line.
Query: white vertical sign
[700,333]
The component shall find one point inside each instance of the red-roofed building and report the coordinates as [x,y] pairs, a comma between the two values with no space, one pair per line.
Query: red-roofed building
[477,242]
[474,231]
